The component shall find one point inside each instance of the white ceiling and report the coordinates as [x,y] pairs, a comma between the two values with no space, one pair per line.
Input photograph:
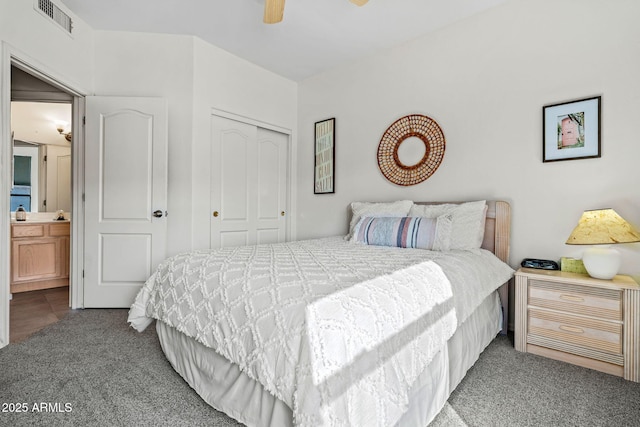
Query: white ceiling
[37,122]
[314,36]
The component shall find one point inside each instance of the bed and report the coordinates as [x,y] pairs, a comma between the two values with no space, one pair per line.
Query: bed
[333,331]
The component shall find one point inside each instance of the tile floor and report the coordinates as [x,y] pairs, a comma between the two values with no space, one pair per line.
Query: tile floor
[31,311]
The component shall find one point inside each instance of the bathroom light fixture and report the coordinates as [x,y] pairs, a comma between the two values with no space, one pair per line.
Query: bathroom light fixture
[60,128]
[602,227]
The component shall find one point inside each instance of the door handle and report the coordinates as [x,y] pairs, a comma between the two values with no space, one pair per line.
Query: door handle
[158,213]
[215,213]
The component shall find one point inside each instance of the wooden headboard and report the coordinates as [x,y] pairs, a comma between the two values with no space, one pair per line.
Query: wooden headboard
[497,231]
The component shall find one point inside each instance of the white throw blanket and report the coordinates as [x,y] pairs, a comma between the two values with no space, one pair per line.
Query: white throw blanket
[336,330]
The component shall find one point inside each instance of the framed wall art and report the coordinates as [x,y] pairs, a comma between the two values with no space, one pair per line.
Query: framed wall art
[571,130]
[325,156]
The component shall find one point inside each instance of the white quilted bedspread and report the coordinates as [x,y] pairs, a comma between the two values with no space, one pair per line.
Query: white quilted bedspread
[338,331]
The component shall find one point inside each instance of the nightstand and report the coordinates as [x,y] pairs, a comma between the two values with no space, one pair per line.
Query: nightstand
[581,320]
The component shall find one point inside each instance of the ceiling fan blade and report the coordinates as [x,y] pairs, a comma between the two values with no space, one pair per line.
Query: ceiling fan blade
[359,2]
[273,11]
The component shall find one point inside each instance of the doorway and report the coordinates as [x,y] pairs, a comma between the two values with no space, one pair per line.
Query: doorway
[41,192]
[22,84]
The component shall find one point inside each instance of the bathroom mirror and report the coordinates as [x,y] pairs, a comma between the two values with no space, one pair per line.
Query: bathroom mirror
[41,157]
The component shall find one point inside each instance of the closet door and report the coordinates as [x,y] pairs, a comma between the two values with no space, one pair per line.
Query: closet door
[248,184]
[271,186]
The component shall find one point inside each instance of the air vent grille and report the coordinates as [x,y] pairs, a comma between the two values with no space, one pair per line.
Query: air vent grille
[54,12]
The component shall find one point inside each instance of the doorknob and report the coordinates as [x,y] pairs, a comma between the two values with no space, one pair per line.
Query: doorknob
[282,213]
[158,213]
[215,213]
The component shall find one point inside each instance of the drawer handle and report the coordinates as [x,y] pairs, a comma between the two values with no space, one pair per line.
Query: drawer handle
[571,298]
[572,329]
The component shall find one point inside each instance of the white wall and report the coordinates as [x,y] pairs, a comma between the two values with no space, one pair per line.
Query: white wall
[485,80]
[32,38]
[67,58]
[156,65]
[194,77]
[227,83]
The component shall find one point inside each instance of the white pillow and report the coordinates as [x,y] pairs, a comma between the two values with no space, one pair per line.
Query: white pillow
[362,209]
[467,230]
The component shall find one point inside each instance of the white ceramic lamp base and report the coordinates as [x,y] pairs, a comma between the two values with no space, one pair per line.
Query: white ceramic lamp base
[601,262]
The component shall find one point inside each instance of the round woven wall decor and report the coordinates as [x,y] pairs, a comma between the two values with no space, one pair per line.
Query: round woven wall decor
[414,125]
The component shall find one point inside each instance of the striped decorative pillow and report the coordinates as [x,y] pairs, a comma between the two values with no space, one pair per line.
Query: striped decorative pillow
[406,232]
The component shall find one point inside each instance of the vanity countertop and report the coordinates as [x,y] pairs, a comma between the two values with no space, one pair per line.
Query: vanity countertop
[40,217]
[37,221]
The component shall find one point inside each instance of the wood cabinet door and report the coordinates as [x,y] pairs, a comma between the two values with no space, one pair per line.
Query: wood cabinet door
[36,259]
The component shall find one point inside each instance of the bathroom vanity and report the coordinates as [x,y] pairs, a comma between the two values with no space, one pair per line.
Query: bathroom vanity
[39,255]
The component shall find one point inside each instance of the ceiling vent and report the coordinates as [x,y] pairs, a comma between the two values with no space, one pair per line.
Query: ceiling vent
[48,8]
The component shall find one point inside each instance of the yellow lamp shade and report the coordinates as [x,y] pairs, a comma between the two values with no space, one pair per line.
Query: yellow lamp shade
[602,227]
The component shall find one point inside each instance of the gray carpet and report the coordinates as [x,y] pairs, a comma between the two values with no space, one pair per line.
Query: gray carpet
[92,369]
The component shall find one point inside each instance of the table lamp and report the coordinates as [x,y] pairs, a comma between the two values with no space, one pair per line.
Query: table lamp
[602,227]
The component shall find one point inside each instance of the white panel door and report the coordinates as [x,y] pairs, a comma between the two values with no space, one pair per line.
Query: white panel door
[233,173]
[272,149]
[125,196]
[58,195]
[248,184]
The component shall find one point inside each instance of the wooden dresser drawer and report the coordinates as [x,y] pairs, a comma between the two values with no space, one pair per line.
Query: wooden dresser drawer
[61,229]
[32,230]
[605,336]
[598,302]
